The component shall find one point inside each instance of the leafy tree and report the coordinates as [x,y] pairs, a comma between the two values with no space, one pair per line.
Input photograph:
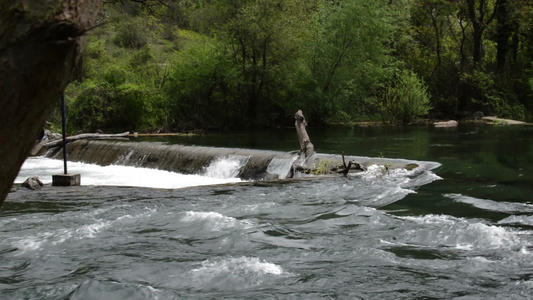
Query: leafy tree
[405,99]
[104,106]
[200,83]
[265,42]
[480,13]
[348,56]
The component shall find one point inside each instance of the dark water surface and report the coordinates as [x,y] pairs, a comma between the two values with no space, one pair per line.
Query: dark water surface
[461,231]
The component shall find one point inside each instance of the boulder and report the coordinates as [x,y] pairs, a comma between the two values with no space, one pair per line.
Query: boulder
[450,123]
[33,183]
[478,115]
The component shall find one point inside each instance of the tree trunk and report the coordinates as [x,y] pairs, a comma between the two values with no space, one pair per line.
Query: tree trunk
[437,36]
[40,42]
[479,24]
[462,46]
[478,42]
[504,30]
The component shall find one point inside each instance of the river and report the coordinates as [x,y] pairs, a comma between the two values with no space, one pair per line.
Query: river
[458,227]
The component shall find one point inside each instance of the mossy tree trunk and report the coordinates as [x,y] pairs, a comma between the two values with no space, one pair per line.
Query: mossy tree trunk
[40,43]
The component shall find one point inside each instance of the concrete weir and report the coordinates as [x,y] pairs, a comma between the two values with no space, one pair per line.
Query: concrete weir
[254,164]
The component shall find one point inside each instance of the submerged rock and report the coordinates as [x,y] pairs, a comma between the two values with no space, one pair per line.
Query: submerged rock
[33,183]
[410,167]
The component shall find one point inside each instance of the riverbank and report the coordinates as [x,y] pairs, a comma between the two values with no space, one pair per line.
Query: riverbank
[501,121]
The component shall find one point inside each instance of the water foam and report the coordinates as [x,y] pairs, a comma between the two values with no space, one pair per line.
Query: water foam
[30,243]
[233,273]
[226,167]
[519,220]
[491,205]
[57,237]
[90,230]
[462,234]
[383,186]
[114,175]
[239,266]
[214,220]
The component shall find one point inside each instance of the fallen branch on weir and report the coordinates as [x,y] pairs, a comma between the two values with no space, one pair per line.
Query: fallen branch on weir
[344,169]
[58,142]
[308,163]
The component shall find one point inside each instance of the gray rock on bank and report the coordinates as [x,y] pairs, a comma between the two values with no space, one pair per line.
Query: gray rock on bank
[33,183]
[450,123]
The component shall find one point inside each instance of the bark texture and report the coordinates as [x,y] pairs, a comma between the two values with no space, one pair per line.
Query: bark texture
[40,43]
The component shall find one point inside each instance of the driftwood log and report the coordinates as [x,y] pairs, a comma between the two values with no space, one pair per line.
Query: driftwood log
[306,147]
[40,43]
[46,144]
[93,136]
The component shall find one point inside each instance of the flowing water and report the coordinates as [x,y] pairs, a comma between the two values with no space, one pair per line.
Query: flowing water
[460,226]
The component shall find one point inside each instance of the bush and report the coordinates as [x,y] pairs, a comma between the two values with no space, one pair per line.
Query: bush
[130,35]
[405,99]
[115,75]
[141,57]
[495,95]
[114,108]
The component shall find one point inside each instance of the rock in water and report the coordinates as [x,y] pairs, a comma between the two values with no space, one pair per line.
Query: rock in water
[33,183]
[451,123]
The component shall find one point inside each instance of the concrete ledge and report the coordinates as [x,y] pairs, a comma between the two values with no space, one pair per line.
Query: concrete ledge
[66,180]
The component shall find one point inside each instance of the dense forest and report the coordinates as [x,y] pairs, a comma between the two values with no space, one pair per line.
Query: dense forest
[181,65]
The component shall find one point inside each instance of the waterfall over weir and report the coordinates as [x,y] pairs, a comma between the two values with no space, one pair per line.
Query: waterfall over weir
[252,164]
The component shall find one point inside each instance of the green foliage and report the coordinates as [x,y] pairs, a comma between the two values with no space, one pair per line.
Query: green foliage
[199,81]
[141,57]
[494,97]
[227,64]
[322,167]
[103,106]
[348,58]
[115,75]
[405,99]
[130,35]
